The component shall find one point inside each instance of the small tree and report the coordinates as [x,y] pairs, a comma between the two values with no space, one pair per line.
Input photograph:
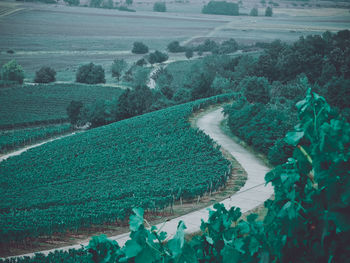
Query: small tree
[72,2]
[95,3]
[255,89]
[45,75]
[159,7]
[268,11]
[118,66]
[128,2]
[174,47]
[90,74]
[157,57]
[254,12]
[12,71]
[139,48]
[73,111]
[189,53]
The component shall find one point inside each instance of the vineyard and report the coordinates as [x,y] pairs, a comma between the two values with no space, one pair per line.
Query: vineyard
[11,139]
[307,221]
[100,175]
[46,103]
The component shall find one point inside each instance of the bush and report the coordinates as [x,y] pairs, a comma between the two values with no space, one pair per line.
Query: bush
[139,48]
[90,74]
[268,11]
[255,89]
[73,111]
[72,2]
[189,53]
[157,57]
[12,71]
[118,66]
[159,7]
[45,75]
[221,8]
[174,47]
[95,3]
[254,12]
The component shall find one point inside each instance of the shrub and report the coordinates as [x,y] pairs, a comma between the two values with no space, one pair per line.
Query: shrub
[221,8]
[255,89]
[45,75]
[157,57]
[95,3]
[10,51]
[139,48]
[73,111]
[254,12]
[12,71]
[189,53]
[268,11]
[90,74]
[72,2]
[118,66]
[159,7]
[174,47]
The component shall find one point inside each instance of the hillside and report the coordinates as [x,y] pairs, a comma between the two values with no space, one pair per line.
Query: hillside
[98,176]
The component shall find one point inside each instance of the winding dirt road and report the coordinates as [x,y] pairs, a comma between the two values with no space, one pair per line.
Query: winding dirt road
[251,195]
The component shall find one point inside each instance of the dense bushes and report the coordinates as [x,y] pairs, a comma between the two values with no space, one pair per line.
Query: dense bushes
[221,8]
[45,75]
[157,57]
[159,7]
[118,67]
[90,74]
[139,48]
[12,71]
[174,47]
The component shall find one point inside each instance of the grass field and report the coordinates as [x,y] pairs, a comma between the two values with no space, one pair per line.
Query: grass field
[65,37]
[43,103]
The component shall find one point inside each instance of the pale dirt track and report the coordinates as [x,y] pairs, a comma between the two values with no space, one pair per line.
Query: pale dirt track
[251,195]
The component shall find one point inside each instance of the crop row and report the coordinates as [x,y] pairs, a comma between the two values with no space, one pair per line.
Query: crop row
[100,175]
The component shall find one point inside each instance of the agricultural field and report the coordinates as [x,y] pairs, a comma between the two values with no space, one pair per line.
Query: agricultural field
[78,35]
[99,175]
[47,103]
[12,139]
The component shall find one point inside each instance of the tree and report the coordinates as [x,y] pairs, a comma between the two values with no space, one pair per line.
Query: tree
[90,74]
[268,11]
[128,2]
[45,75]
[139,48]
[174,47]
[74,110]
[72,2]
[255,89]
[95,3]
[159,7]
[157,57]
[12,71]
[189,53]
[254,12]
[118,66]
[221,8]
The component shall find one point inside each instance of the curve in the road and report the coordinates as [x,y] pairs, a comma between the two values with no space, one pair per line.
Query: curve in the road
[251,195]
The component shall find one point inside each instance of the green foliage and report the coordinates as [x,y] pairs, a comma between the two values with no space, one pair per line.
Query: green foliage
[139,48]
[174,47]
[12,139]
[268,11]
[221,8]
[45,75]
[103,250]
[12,71]
[74,110]
[149,159]
[254,12]
[72,2]
[90,74]
[226,47]
[43,104]
[129,2]
[255,89]
[157,57]
[118,67]
[159,7]
[95,3]
[189,53]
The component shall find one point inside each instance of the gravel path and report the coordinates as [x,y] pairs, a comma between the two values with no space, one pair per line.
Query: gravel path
[251,195]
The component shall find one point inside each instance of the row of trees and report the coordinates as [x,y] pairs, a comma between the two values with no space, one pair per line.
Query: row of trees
[254,11]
